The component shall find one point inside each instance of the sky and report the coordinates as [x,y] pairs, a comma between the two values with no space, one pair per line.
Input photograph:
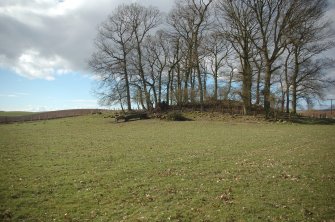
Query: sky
[44,49]
[45,46]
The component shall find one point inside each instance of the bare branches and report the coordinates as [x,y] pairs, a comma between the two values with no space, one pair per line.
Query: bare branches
[269,44]
[115,43]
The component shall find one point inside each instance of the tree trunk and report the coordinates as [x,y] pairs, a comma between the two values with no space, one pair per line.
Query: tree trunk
[146,94]
[179,92]
[246,88]
[155,94]
[185,91]
[140,97]
[287,82]
[294,81]
[128,91]
[258,100]
[266,91]
[160,86]
[287,100]
[294,97]
[172,90]
[216,89]
[192,93]
[168,87]
[141,72]
[215,75]
[205,87]
[201,92]
[246,79]
[197,65]
[282,100]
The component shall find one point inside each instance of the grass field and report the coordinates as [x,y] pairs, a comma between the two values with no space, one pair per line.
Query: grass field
[15,113]
[91,169]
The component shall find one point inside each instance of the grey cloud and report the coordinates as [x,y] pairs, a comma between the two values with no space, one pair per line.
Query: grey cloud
[68,36]
[14,37]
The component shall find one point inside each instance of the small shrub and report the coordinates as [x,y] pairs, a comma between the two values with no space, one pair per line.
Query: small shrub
[176,116]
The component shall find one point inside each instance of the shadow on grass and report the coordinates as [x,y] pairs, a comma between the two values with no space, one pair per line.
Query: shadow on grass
[313,121]
[128,121]
[177,116]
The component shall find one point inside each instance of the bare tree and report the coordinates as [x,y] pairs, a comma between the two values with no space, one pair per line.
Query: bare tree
[217,49]
[311,81]
[257,61]
[175,56]
[287,77]
[276,45]
[143,20]
[119,48]
[306,42]
[157,53]
[240,29]
[189,20]
[274,20]
[230,75]
[113,46]
[150,59]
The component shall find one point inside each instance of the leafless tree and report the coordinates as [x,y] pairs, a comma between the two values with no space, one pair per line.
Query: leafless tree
[175,55]
[113,47]
[257,61]
[119,47]
[270,48]
[157,53]
[143,20]
[230,75]
[274,19]
[239,27]
[306,42]
[189,19]
[217,49]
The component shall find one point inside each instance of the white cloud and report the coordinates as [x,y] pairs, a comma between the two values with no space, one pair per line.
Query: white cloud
[32,12]
[84,101]
[41,39]
[8,95]
[45,38]
[59,32]
[65,7]
[14,95]
[31,65]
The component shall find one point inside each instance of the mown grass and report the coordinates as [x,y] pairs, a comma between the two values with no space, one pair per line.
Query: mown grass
[90,169]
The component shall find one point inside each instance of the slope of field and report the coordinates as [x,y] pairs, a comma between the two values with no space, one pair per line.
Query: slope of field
[90,169]
[15,113]
[15,117]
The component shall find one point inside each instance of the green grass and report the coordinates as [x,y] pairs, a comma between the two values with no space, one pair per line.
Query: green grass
[15,113]
[91,169]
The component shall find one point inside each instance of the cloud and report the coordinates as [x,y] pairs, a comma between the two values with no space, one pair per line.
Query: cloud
[14,95]
[8,95]
[41,39]
[45,38]
[84,101]
[31,65]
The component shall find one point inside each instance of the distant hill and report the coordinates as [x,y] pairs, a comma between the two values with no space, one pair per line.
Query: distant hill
[10,117]
[16,113]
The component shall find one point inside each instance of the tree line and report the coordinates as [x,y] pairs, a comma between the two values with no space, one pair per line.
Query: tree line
[261,52]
